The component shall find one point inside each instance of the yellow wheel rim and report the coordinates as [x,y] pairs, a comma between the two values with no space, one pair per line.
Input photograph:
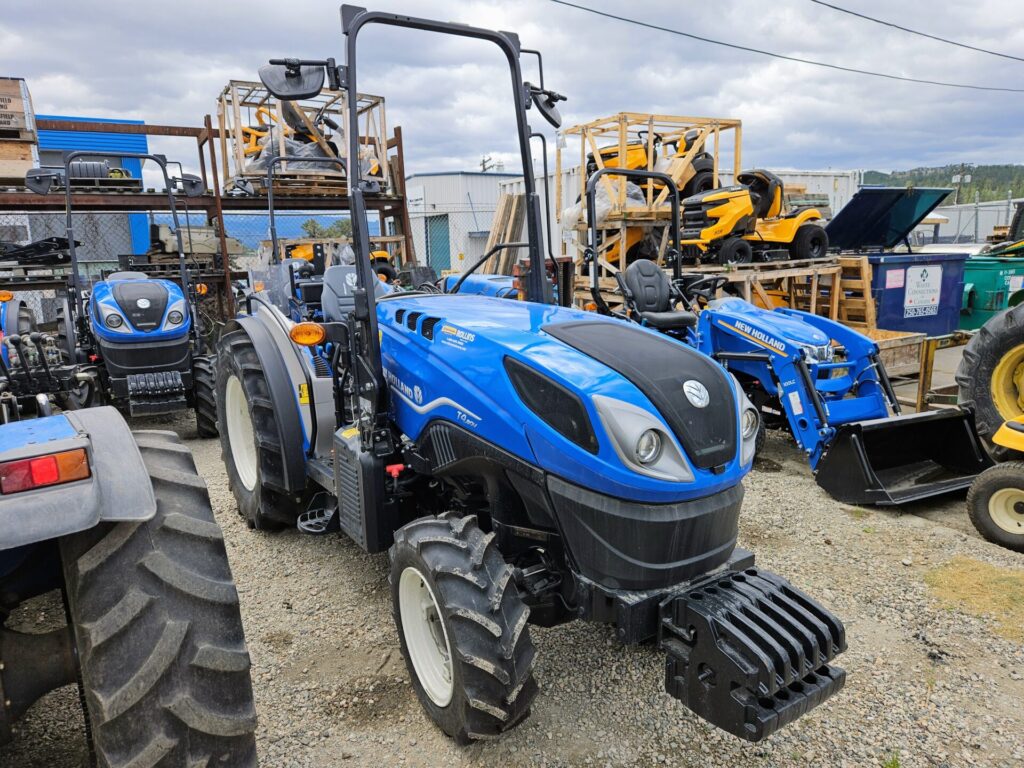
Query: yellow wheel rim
[1008,384]
[1006,508]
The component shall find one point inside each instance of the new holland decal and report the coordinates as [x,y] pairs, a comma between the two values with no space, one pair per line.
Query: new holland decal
[757,336]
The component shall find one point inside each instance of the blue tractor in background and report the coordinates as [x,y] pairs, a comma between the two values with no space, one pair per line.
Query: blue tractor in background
[136,336]
[822,381]
[521,462]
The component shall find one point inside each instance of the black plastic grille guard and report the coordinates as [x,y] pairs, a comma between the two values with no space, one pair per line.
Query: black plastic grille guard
[748,652]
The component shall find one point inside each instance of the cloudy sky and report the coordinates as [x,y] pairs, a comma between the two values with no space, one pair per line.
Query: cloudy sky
[167,62]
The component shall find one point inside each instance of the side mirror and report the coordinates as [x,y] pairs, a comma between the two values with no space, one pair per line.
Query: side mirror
[41,180]
[292,81]
[545,102]
[192,185]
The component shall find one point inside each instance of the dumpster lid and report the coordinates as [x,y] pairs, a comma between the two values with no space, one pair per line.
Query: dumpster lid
[882,216]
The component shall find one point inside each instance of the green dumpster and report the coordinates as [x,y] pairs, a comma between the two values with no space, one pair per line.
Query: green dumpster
[991,284]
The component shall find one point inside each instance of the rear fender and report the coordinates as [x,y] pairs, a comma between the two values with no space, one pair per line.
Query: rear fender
[118,489]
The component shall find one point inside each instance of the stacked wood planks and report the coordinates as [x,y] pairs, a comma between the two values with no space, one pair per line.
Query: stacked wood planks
[507,227]
[19,152]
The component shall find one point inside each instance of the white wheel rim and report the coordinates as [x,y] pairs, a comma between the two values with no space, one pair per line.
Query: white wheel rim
[426,637]
[241,436]
[1006,508]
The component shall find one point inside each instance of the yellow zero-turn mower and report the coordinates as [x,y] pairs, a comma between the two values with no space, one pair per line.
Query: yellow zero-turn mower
[732,224]
[995,501]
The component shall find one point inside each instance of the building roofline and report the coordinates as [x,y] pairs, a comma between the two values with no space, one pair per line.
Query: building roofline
[462,173]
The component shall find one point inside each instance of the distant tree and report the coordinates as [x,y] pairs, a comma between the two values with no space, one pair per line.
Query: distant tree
[313,229]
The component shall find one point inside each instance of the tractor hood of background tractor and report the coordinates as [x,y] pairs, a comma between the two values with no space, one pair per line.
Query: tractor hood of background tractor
[511,370]
[762,326]
[148,310]
[882,217]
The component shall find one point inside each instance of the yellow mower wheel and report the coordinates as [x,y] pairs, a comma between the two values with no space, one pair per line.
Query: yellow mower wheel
[1008,383]
[995,504]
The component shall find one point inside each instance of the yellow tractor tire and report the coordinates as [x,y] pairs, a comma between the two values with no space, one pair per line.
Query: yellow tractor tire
[995,504]
[990,376]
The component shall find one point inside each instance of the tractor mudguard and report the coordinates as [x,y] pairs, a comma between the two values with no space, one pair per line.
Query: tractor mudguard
[902,458]
[118,488]
[749,652]
[282,392]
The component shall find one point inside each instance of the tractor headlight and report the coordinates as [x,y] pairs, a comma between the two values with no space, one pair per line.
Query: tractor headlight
[648,447]
[823,353]
[175,317]
[113,320]
[642,441]
[751,421]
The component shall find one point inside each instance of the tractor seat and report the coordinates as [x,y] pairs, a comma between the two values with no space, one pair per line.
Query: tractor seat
[651,297]
[127,276]
[337,299]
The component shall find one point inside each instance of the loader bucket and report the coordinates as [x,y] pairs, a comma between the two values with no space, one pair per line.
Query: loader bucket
[902,458]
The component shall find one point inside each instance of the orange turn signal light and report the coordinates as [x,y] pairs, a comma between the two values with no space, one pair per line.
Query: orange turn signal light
[202,289]
[307,334]
[5,296]
[40,471]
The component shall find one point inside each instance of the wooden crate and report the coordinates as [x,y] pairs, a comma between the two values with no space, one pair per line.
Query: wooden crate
[899,351]
[246,110]
[856,302]
[17,119]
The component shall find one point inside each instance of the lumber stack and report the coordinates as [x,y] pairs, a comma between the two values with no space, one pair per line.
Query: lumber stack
[507,227]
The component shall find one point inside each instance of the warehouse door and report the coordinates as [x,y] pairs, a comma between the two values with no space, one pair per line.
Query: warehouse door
[438,244]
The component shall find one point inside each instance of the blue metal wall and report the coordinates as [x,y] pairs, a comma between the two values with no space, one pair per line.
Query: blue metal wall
[102,143]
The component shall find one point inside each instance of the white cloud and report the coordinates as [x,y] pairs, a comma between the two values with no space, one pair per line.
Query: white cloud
[167,62]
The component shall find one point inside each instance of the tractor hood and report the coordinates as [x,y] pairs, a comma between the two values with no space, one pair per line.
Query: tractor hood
[882,217]
[136,309]
[761,326]
[621,375]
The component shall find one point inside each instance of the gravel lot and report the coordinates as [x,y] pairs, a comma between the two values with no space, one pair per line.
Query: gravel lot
[930,684]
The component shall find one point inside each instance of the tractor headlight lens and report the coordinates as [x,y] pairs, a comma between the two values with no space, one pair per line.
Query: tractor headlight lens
[114,320]
[175,317]
[750,423]
[648,447]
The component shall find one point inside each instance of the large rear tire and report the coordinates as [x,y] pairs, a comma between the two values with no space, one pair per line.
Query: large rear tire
[995,504]
[26,320]
[462,627]
[154,611]
[250,446]
[204,394]
[991,375]
[86,393]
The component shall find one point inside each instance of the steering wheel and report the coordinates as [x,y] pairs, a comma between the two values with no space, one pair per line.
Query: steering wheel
[704,288]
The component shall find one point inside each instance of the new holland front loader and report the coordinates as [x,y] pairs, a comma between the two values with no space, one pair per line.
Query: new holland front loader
[522,463]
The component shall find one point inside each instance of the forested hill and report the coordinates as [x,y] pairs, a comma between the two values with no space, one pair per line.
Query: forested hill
[991,181]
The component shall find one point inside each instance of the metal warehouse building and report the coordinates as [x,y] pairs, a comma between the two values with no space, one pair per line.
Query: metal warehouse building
[451,214]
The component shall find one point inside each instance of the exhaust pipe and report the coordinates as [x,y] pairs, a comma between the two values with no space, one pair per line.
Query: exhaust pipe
[902,458]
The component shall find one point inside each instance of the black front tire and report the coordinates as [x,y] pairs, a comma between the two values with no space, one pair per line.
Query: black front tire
[86,394]
[154,610]
[204,394]
[987,514]
[267,505]
[810,242]
[484,620]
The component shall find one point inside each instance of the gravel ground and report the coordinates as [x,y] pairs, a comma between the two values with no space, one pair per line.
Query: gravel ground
[928,684]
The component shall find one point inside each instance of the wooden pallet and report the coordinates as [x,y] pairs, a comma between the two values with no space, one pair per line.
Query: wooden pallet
[298,184]
[507,227]
[856,303]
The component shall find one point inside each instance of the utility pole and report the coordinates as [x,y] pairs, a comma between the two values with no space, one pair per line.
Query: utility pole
[977,213]
[486,163]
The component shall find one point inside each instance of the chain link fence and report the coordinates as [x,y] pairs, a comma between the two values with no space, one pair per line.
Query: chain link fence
[450,238]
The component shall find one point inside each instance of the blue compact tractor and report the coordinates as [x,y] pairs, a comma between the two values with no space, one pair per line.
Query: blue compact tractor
[137,337]
[521,463]
[812,376]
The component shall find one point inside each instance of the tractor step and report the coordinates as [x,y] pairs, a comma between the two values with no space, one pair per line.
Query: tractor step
[150,393]
[748,652]
[320,518]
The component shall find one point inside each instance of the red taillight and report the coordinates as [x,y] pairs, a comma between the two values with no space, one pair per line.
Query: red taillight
[40,471]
